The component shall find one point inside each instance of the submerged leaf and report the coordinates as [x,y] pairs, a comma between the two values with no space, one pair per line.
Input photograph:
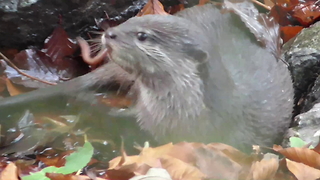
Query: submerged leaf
[75,162]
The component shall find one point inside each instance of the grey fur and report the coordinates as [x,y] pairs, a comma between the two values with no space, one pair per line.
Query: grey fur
[201,76]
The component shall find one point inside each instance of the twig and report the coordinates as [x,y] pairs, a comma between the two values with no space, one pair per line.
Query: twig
[22,73]
[261,4]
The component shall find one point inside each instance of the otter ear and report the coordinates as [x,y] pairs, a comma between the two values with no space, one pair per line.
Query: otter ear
[196,53]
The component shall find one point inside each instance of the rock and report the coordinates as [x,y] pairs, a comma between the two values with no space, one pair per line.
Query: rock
[28,22]
[303,55]
[308,125]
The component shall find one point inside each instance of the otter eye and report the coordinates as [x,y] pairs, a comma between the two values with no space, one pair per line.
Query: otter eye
[142,36]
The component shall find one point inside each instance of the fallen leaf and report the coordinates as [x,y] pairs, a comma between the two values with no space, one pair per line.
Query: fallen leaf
[175,9]
[264,169]
[153,174]
[302,171]
[288,32]
[203,2]
[152,7]
[269,3]
[307,13]
[57,176]
[12,89]
[215,164]
[58,45]
[54,63]
[234,154]
[300,155]
[181,170]
[3,83]
[119,101]
[10,172]
[182,161]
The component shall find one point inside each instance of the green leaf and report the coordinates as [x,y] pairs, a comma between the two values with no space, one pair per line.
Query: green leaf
[78,159]
[74,162]
[296,142]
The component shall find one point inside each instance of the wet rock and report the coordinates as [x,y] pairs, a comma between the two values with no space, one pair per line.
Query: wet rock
[308,125]
[313,96]
[28,22]
[303,55]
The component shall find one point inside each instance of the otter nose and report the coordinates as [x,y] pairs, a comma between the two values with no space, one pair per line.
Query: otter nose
[111,34]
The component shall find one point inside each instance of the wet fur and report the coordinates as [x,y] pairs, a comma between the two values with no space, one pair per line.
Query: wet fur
[201,76]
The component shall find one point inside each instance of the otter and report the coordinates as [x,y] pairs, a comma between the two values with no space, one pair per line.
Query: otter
[201,76]
[198,75]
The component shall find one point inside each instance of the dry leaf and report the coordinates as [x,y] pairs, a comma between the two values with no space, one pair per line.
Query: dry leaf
[3,83]
[307,12]
[216,165]
[264,169]
[184,161]
[303,155]
[154,174]
[56,176]
[233,153]
[12,89]
[119,101]
[302,171]
[203,2]
[181,170]
[152,7]
[288,32]
[9,173]
[269,3]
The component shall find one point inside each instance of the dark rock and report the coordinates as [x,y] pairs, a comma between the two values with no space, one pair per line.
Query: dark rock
[313,96]
[303,55]
[29,22]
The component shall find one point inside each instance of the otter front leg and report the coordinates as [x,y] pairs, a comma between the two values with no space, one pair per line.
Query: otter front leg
[102,76]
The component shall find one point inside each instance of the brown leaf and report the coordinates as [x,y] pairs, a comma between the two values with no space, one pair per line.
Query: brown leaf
[181,170]
[203,2]
[264,169]
[9,53]
[269,3]
[303,155]
[56,176]
[10,172]
[123,167]
[285,2]
[175,9]
[215,164]
[58,45]
[12,89]
[288,32]
[281,15]
[302,171]
[119,101]
[152,7]
[53,63]
[234,154]
[3,84]
[307,13]
[317,148]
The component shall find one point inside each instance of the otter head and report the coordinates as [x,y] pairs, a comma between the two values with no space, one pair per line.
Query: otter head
[155,45]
